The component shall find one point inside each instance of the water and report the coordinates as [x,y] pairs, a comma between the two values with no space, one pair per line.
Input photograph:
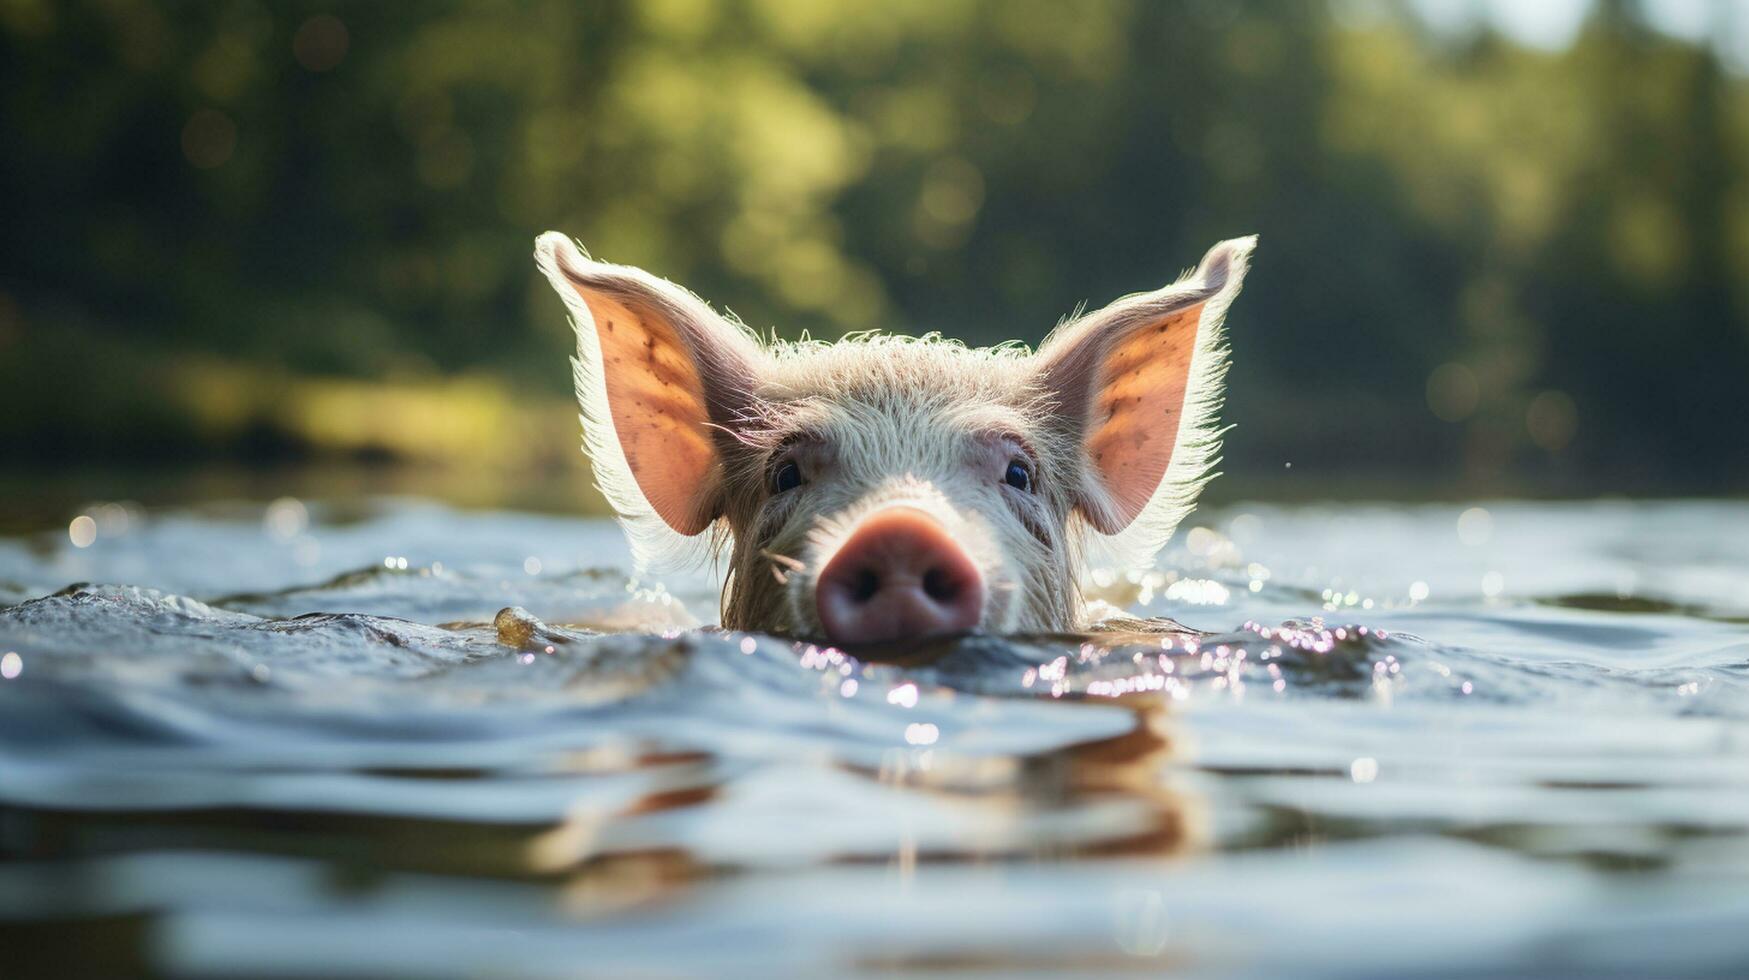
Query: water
[407,740]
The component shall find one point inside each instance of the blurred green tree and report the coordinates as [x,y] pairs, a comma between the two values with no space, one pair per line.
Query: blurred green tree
[240,228]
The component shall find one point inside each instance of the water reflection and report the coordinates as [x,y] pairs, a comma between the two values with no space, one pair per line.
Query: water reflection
[632,824]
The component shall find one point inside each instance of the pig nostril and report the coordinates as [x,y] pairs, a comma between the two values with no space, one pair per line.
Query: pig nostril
[940,586]
[866,585]
[900,574]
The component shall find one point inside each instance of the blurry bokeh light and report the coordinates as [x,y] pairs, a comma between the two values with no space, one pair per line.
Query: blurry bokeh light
[1552,420]
[320,43]
[82,531]
[1453,392]
[209,138]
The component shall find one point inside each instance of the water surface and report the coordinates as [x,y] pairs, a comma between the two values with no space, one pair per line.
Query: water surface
[408,740]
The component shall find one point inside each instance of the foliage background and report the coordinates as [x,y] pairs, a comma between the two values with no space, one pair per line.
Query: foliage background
[245,233]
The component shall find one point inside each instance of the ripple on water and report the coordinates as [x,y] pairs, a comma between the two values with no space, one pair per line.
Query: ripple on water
[481,745]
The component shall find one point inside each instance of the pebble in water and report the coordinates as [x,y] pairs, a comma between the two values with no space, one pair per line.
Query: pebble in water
[516,626]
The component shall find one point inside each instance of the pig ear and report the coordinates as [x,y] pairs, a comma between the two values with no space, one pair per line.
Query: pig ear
[1138,384]
[662,381]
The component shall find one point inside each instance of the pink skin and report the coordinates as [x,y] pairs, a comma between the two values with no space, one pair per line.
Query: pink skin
[900,576]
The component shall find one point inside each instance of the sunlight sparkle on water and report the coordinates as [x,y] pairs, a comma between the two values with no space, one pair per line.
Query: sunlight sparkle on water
[82,531]
[1259,574]
[1209,544]
[1198,592]
[1335,599]
[823,659]
[1364,769]
[285,518]
[531,565]
[1493,584]
[11,665]
[1133,684]
[1474,527]
[905,696]
[921,733]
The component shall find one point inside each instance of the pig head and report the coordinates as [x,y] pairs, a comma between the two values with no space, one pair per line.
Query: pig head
[881,487]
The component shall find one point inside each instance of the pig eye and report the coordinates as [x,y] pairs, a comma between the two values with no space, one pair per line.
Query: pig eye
[1018,476]
[787,477]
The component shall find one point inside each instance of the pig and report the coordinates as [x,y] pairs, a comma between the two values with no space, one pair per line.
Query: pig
[886,488]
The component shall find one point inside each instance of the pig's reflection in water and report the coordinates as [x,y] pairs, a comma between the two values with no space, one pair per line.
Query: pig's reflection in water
[1103,798]
[907,806]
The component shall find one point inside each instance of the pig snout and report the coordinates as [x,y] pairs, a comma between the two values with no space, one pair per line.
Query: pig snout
[899,576]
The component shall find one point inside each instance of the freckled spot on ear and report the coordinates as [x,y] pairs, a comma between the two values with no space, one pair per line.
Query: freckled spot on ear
[657,401]
[1142,389]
